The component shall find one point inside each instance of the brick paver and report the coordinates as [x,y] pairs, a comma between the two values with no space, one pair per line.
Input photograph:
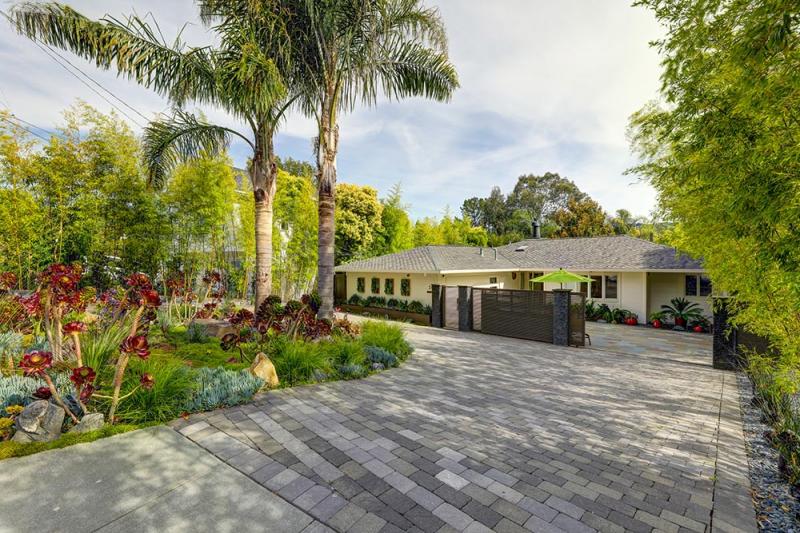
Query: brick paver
[480,433]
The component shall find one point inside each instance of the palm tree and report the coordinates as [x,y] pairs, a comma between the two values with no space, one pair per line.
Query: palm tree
[243,75]
[349,52]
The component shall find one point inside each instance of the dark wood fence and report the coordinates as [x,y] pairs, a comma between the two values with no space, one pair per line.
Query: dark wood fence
[450,308]
[577,319]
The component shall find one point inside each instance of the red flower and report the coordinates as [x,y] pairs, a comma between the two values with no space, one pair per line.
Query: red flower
[136,344]
[74,327]
[147,381]
[212,277]
[43,393]
[7,281]
[31,304]
[35,363]
[150,298]
[82,376]
[242,317]
[87,392]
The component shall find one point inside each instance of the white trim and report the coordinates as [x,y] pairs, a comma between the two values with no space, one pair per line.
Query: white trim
[537,269]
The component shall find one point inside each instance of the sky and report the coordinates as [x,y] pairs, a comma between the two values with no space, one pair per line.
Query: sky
[545,87]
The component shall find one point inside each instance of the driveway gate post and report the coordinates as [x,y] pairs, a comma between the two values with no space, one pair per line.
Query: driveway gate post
[725,337]
[464,308]
[436,306]
[561,317]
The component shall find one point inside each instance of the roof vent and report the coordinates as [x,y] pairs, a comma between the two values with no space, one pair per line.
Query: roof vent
[520,248]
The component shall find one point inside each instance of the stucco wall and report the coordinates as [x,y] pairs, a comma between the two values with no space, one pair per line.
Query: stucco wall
[661,288]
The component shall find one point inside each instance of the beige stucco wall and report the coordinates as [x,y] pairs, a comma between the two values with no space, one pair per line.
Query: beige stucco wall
[661,288]
[639,292]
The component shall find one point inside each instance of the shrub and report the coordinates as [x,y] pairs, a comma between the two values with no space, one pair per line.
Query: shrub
[392,303]
[344,351]
[375,354]
[387,336]
[217,387]
[18,390]
[164,400]
[416,307]
[295,361]
[351,371]
[196,333]
[356,300]
[100,345]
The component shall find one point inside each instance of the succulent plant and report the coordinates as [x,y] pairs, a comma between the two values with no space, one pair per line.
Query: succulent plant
[376,354]
[351,371]
[218,387]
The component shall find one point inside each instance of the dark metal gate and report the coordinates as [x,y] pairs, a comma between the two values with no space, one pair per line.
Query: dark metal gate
[450,300]
[515,313]
[577,319]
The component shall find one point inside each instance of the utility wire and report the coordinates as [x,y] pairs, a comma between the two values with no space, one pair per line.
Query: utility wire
[45,139]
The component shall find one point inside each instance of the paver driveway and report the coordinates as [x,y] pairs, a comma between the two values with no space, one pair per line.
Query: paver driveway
[479,432]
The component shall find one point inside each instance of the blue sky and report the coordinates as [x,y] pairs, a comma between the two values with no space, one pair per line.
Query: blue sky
[546,86]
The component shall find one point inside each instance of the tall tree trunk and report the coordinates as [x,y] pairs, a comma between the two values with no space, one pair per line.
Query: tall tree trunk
[326,168]
[263,172]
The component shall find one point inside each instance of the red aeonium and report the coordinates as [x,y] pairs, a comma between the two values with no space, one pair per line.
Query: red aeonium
[87,392]
[74,327]
[136,344]
[82,376]
[43,393]
[35,363]
[147,381]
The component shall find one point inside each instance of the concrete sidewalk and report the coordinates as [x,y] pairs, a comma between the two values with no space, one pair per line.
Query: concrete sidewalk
[148,480]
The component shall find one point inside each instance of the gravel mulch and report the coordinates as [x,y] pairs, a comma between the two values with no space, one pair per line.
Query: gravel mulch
[777,505]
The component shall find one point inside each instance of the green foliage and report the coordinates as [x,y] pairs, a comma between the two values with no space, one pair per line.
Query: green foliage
[389,337]
[358,214]
[173,387]
[100,345]
[196,333]
[581,218]
[10,448]
[206,354]
[351,371]
[296,361]
[722,158]
[395,233]
[449,230]
[682,309]
[18,390]
[344,351]
[217,387]
[376,354]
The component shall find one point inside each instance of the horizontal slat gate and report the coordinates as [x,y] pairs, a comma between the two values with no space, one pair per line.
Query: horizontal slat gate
[476,309]
[517,313]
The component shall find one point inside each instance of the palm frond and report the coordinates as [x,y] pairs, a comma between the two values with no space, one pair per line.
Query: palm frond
[169,142]
[132,46]
[411,69]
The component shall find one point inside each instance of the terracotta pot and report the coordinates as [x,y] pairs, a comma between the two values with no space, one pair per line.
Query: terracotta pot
[699,329]
[657,323]
[680,321]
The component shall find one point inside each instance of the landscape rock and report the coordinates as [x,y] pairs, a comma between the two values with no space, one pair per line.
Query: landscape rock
[40,421]
[89,422]
[263,368]
[215,328]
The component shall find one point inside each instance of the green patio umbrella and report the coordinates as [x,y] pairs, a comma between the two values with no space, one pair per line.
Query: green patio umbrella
[561,276]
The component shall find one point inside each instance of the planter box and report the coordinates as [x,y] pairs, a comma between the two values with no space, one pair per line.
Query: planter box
[415,318]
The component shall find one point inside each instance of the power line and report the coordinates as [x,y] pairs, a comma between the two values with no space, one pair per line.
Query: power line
[45,139]
[123,102]
[54,58]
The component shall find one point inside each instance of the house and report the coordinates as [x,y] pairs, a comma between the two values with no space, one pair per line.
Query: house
[628,273]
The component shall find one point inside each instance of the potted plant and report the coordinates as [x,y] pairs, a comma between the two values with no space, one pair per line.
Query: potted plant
[657,319]
[682,311]
[632,319]
[700,324]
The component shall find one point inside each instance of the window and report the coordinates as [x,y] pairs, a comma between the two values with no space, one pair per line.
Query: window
[584,288]
[361,285]
[492,280]
[698,285]
[611,287]
[597,287]
[705,286]
[537,286]
[375,285]
[388,286]
[405,287]
[691,285]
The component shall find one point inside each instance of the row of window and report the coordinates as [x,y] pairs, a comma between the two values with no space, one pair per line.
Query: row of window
[602,287]
[697,285]
[388,286]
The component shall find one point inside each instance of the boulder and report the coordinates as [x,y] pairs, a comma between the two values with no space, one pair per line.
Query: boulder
[89,422]
[215,328]
[40,421]
[263,368]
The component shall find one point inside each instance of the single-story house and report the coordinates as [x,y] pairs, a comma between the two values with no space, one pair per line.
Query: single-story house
[628,273]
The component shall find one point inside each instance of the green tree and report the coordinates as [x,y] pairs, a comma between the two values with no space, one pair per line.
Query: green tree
[581,218]
[358,219]
[351,51]
[396,233]
[724,156]
[295,249]
[244,74]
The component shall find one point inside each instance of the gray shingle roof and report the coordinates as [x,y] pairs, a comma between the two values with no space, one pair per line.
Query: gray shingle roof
[588,253]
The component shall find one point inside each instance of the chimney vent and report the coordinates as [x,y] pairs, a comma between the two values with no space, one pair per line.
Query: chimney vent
[537,230]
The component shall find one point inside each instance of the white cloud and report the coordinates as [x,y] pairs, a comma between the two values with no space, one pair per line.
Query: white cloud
[546,86]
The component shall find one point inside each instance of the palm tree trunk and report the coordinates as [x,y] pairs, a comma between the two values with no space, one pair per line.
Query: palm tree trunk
[263,173]
[326,166]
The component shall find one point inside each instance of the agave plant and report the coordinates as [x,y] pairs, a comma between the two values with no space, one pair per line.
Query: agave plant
[682,311]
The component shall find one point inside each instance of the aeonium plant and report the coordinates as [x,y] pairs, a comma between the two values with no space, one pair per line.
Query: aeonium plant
[141,299]
[38,364]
